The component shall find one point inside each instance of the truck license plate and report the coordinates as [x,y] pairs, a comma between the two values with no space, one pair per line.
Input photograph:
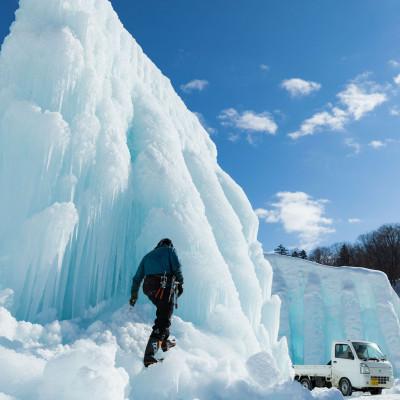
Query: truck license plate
[374,381]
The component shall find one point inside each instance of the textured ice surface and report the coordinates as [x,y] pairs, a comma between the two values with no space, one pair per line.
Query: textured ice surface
[99,159]
[321,304]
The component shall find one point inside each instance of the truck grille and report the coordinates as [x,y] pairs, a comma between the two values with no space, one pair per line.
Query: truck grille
[381,380]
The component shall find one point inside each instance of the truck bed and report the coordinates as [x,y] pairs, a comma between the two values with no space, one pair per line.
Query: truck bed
[313,370]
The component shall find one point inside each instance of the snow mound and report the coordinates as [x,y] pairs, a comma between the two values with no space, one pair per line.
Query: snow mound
[76,360]
[321,304]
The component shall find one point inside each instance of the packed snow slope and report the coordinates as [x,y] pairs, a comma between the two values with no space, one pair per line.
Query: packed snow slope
[65,360]
[99,159]
[321,304]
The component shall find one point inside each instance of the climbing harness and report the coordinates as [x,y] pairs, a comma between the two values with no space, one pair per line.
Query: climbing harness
[173,294]
[163,284]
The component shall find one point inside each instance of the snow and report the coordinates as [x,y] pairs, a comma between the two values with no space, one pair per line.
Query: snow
[361,396]
[102,358]
[321,304]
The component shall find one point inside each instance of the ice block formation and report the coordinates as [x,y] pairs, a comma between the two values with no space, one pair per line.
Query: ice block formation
[100,159]
[321,304]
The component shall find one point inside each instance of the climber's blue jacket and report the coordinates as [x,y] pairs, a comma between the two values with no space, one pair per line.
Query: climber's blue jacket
[159,261]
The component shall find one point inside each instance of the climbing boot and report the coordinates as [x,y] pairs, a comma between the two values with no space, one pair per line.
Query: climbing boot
[167,344]
[147,361]
[151,349]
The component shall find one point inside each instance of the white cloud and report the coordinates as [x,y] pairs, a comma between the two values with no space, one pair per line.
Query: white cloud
[299,87]
[394,63]
[195,84]
[269,216]
[334,119]
[395,111]
[264,67]
[203,122]
[356,100]
[396,79]
[354,220]
[355,146]
[233,137]
[392,141]
[376,144]
[300,214]
[248,121]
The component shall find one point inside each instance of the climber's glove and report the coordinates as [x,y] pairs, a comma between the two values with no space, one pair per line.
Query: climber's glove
[133,299]
[180,289]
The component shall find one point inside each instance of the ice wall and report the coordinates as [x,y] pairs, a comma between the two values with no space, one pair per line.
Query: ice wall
[99,159]
[321,304]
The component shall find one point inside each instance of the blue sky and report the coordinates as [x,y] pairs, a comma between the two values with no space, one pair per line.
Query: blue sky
[338,175]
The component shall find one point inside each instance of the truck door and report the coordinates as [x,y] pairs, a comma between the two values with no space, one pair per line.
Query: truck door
[342,363]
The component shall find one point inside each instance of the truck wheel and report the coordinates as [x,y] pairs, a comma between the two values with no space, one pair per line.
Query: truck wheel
[306,383]
[345,387]
[375,391]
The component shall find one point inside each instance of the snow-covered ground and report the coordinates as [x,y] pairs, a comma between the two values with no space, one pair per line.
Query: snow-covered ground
[381,397]
[321,304]
[102,359]
[377,397]
[367,396]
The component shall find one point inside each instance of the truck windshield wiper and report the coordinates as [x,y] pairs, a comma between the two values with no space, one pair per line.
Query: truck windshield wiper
[373,358]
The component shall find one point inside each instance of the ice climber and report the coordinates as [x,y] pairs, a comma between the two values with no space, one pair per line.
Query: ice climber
[163,283]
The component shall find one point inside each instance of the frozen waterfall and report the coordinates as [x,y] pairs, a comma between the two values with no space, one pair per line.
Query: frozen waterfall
[100,158]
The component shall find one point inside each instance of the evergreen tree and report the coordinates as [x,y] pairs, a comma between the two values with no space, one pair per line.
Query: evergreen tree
[282,250]
[295,253]
[303,254]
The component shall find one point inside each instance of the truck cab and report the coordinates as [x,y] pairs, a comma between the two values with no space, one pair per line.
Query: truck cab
[355,365]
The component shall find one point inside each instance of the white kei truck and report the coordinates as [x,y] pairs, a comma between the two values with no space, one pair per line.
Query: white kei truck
[355,365]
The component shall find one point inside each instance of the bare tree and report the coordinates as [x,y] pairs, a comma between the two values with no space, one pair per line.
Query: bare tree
[379,249]
[323,255]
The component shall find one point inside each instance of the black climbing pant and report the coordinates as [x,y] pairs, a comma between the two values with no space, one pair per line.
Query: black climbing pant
[165,307]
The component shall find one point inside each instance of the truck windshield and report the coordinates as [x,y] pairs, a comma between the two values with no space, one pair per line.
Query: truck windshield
[368,351]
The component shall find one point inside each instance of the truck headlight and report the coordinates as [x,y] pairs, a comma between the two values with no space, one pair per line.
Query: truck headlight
[364,369]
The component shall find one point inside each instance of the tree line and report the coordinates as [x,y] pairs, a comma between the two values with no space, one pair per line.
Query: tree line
[379,250]
[283,251]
